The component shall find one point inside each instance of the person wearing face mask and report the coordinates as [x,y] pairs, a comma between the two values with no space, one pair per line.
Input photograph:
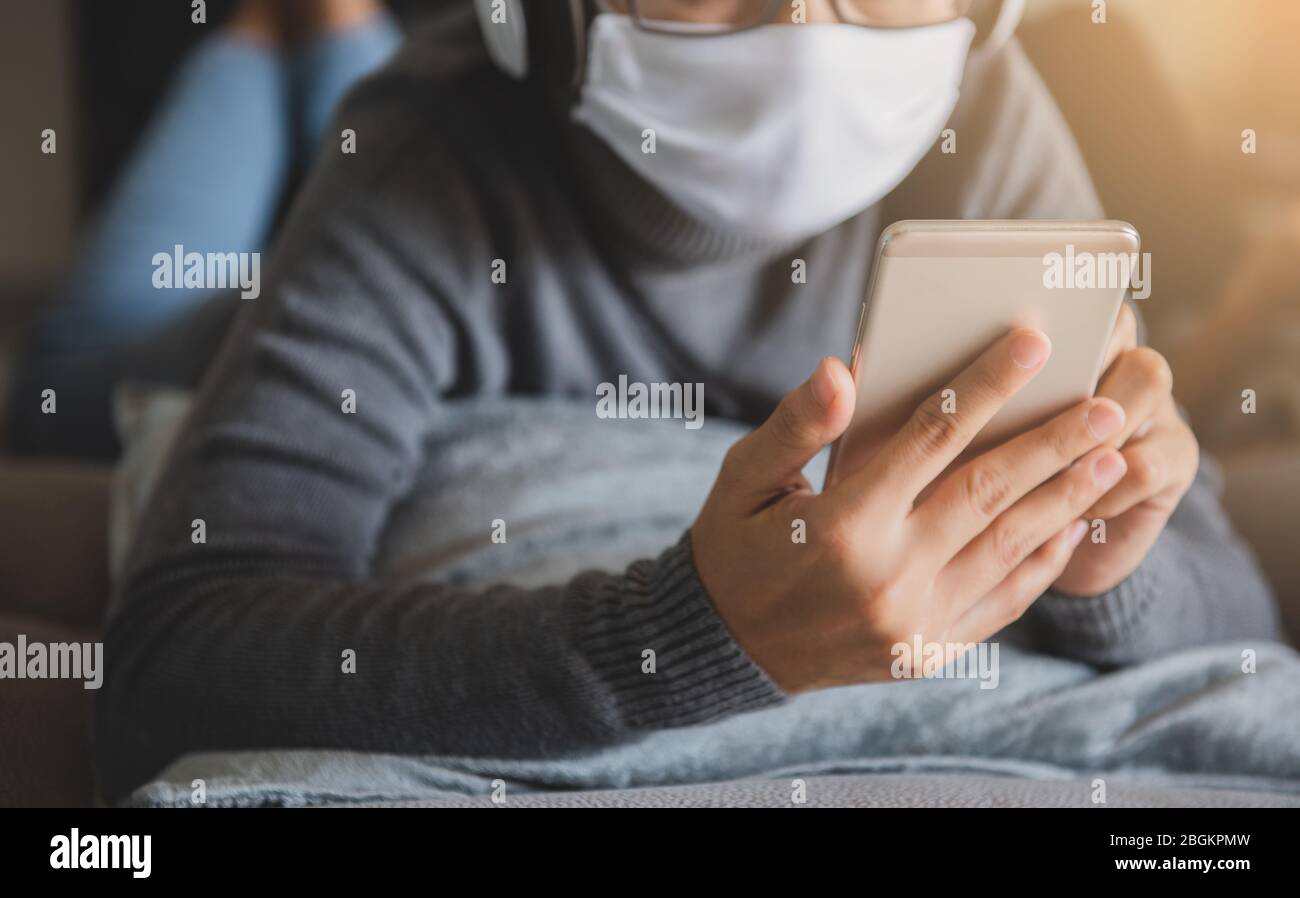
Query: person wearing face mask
[643,175]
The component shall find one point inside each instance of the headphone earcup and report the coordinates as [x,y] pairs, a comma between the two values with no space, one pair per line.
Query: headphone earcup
[505,32]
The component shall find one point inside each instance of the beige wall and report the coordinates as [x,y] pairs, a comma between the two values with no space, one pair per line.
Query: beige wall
[1235,62]
[37,192]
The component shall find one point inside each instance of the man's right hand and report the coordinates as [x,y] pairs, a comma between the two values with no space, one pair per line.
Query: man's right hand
[886,560]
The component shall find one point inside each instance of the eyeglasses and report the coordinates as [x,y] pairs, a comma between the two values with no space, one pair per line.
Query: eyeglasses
[708,18]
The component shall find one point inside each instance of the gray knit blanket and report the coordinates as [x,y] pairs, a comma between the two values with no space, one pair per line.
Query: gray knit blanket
[579,492]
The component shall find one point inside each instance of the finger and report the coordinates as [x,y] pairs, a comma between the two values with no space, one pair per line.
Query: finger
[1123,337]
[1128,539]
[1013,537]
[774,454]
[1140,381]
[983,488]
[933,437]
[1146,477]
[1161,461]
[1007,602]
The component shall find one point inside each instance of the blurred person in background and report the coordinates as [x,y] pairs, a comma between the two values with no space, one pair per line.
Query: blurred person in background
[248,111]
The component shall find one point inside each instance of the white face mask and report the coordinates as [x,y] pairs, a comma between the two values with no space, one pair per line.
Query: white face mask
[776,133]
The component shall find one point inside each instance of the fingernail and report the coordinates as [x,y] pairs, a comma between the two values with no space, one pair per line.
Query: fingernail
[1109,470]
[1074,535]
[823,385]
[1104,419]
[1029,350]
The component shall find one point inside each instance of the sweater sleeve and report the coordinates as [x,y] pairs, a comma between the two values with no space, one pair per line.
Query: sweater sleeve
[1199,584]
[249,615]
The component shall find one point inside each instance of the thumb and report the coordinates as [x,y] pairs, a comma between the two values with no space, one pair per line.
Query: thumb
[811,415]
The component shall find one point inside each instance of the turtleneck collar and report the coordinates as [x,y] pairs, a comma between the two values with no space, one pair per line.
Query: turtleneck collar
[660,230]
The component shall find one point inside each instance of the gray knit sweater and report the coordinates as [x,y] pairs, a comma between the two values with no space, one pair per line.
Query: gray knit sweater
[382,284]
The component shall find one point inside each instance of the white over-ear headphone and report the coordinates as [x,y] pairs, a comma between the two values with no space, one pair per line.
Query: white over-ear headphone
[505,31]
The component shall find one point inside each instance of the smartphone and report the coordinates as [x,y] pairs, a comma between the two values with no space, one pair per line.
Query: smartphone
[942,291]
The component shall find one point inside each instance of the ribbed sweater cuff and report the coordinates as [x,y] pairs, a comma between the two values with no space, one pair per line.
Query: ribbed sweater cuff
[698,671]
[1102,621]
